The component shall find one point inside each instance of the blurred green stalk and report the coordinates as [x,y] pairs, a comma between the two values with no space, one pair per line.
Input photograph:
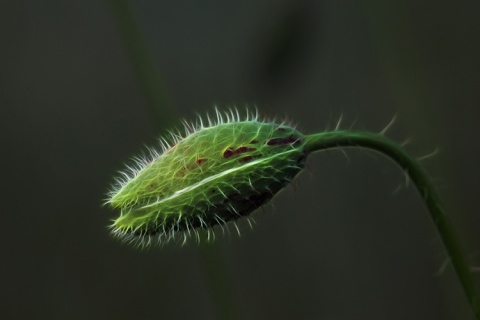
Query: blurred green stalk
[159,104]
[151,82]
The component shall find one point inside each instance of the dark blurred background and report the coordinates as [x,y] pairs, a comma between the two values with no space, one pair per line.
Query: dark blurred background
[347,241]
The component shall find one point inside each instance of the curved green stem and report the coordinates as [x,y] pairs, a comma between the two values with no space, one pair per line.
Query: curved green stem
[385,146]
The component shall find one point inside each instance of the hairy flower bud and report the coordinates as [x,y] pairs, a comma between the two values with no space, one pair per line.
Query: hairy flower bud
[216,173]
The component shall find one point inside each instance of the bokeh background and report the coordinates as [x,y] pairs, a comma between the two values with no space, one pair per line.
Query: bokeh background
[347,241]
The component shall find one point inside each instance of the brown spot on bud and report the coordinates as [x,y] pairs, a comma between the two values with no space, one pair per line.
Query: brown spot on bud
[244,149]
[246,159]
[231,152]
[199,161]
[228,153]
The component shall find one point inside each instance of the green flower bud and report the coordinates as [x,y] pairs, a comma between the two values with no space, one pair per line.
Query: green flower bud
[216,173]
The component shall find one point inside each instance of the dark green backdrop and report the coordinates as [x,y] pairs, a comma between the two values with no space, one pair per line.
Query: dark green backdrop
[341,243]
